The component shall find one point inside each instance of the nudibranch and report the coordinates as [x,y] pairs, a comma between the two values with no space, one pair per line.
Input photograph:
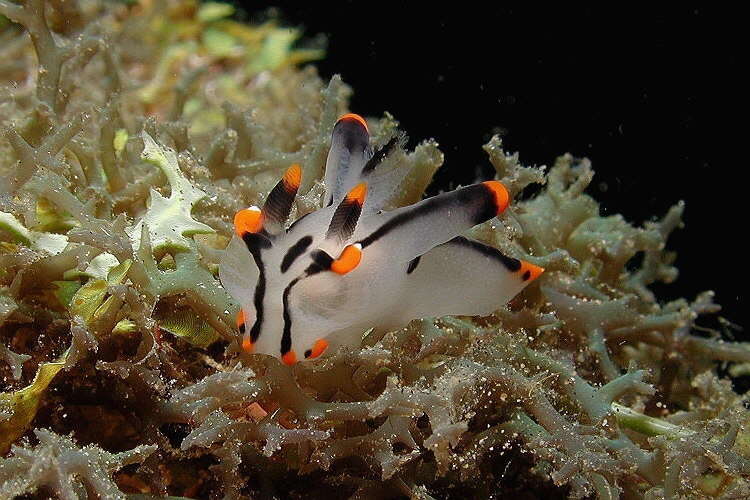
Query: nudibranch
[349,266]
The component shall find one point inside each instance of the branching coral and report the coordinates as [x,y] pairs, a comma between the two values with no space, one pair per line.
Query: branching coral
[57,464]
[121,173]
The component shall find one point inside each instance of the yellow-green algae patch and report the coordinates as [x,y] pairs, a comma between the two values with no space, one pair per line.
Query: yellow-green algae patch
[18,409]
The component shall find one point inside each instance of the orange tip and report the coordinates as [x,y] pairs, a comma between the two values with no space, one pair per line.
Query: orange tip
[293,177]
[289,358]
[500,193]
[530,272]
[358,194]
[318,348]
[247,344]
[348,260]
[355,117]
[249,220]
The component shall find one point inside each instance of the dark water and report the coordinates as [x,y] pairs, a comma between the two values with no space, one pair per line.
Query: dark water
[652,96]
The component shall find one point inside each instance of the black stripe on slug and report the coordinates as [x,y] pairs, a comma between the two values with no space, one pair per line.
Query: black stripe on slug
[413,263]
[286,336]
[255,243]
[510,263]
[344,220]
[278,205]
[321,262]
[478,199]
[379,156]
[295,251]
[487,206]
[352,133]
[397,221]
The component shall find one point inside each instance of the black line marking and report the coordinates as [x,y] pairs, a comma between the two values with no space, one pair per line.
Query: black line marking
[493,195]
[510,263]
[477,198]
[242,327]
[295,251]
[354,134]
[279,202]
[489,208]
[344,220]
[321,262]
[308,353]
[413,263]
[379,156]
[526,275]
[255,243]
[286,336]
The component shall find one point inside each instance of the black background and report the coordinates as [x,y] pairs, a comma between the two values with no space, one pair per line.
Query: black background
[653,96]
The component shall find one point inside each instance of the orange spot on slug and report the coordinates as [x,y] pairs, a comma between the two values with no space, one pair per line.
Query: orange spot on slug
[348,260]
[530,272]
[318,348]
[358,194]
[240,318]
[249,220]
[500,192]
[293,177]
[289,358]
[355,117]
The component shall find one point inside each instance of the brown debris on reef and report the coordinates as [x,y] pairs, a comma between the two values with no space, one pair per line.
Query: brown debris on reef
[119,364]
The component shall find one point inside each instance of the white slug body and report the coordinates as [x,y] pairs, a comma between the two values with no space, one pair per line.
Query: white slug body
[349,266]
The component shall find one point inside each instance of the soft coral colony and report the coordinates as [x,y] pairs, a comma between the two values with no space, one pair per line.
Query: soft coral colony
[125,199]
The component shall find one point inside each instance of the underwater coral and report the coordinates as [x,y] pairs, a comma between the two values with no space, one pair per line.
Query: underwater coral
[133,132]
